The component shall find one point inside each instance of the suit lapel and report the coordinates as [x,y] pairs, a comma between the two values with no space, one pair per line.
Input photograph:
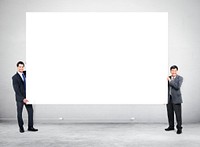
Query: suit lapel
[177,76]
[20,78]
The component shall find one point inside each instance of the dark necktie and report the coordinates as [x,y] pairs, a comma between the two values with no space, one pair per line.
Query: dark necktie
[24,79]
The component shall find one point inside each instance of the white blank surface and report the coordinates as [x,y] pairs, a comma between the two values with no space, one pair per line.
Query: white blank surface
[97,57]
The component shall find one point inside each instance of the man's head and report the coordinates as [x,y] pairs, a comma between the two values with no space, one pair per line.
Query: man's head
[173,70]
[20,66]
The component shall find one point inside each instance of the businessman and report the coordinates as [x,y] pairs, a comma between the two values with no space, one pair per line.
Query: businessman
[19,86]
[174,100]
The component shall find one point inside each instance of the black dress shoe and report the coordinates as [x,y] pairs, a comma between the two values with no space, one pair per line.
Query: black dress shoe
[179,131]
[169,129]
[21,130]
[32,129]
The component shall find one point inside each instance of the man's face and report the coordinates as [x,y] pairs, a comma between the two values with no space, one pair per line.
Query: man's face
[173,72]
[20,68]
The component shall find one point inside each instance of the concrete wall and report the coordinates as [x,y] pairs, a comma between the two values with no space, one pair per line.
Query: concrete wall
[184,50]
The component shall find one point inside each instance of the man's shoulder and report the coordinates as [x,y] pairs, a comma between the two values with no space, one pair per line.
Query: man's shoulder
[180,77]
[15,76]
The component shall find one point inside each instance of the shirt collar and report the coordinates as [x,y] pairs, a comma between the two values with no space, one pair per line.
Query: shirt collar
[20,75]
[173,77]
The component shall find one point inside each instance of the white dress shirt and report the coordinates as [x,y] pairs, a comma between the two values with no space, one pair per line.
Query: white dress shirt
[21,75]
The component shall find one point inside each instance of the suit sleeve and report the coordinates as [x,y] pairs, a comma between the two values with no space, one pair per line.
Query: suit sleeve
[17,90]
[176,85]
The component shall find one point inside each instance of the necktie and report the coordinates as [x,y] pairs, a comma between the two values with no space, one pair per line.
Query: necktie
[24,79]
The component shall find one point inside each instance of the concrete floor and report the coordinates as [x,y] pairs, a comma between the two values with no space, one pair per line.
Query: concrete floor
[98,135]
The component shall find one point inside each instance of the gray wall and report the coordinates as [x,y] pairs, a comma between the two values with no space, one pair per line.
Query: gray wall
[184,50]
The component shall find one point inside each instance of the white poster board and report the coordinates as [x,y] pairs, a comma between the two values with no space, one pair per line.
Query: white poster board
[97,57]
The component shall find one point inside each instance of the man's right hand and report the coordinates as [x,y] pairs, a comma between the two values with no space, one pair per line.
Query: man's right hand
[25,100]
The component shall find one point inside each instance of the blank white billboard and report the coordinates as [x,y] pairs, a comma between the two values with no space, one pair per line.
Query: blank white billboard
[97,57]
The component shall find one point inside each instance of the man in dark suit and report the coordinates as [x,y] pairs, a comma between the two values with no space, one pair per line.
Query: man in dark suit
[19,86]
[174,99]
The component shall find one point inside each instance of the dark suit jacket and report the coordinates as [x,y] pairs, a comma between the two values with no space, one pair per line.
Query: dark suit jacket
[175,90]
[18,86]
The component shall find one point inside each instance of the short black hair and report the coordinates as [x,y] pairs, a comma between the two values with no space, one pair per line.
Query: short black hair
[20,62]
[174,67]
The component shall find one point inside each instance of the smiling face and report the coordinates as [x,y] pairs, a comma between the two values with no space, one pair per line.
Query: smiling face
[173,72]
[20,68]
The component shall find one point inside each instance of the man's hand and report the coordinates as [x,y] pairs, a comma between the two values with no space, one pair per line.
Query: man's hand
[168,79]
[25,101]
